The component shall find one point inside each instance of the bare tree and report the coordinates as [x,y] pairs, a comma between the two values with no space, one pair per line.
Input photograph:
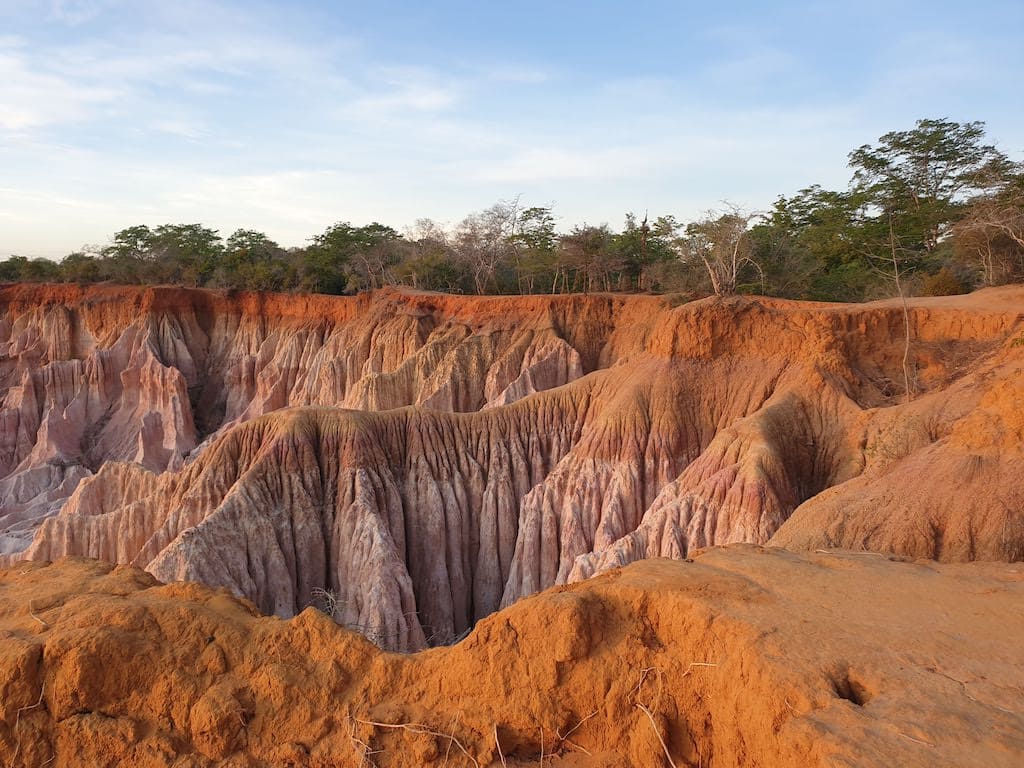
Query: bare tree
[895,260]
[720,242]
[992,235]
[889,258]
[485,240]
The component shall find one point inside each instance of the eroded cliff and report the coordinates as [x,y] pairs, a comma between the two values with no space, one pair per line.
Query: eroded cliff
[412,462]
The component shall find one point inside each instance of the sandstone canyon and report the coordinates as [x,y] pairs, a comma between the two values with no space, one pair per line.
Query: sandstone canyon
[412,463]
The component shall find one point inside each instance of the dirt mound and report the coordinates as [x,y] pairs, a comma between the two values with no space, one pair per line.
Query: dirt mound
[416,461]
[743,657]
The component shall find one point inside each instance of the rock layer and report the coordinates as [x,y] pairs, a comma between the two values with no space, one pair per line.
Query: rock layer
[743,657]
[415,461]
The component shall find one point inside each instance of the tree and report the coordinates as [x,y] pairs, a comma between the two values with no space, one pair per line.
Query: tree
[123,260]
[535,242]
[375,255]
[923,175]
[337,255]
[252,261]
[184,254]
[29,270]
[587,253]
[80,267]
[485,241]
[721,243]
[991,233]
[641,245]
[11,268]
[894,271]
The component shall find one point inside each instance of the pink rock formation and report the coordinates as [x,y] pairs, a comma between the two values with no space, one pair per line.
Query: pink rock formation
[415,461]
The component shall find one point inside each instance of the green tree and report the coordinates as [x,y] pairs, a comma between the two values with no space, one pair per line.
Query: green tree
[80,267]
[181,254]
[587,253]
[124,260]
[184,254]
[10,269]
[18,268]
[338,254]
[640,245]
[814,245]
[918,179]
[252,261]
[370,263]
[535,241]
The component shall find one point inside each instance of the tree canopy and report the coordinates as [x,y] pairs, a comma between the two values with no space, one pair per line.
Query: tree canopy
[939,195]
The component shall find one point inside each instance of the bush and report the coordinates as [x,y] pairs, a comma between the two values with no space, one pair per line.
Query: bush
[942,283]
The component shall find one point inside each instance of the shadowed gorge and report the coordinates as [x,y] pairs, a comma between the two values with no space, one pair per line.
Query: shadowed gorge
[413,461]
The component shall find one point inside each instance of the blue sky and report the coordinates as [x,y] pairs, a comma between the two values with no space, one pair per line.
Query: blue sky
[288,117]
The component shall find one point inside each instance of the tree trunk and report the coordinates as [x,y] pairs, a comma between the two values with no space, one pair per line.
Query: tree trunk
[906,315]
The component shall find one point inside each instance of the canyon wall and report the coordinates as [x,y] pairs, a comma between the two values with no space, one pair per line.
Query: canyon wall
[411,462]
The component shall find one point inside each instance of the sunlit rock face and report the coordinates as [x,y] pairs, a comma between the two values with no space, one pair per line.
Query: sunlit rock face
[415,461]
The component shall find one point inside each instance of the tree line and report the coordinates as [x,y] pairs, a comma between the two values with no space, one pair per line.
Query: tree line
[933,210]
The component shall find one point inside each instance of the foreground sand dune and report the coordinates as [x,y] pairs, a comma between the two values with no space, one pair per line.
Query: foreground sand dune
[745,656]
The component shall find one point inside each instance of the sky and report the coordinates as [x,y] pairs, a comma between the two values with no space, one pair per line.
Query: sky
[288,117]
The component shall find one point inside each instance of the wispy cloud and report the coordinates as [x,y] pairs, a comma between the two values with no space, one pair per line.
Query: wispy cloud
[391,91]
[76,12]
[31,97]
[182,128]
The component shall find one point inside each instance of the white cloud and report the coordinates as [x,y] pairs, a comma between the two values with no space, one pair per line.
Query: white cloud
[30,98]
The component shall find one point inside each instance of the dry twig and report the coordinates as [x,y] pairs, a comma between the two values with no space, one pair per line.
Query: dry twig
[498,745]
[417,728]
[646,710]
[657,733]
[31,613]
[916,741]
[573,729]
[844,552]
[565,739]
[693,664]
[17,720]
[574,745]
[363,757]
